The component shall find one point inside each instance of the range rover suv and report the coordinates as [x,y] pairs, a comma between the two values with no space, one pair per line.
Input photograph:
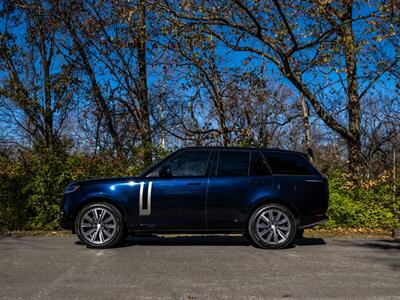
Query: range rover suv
[265,194]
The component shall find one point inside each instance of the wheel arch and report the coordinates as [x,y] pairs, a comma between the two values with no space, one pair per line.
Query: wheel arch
[97,199]
[263,202]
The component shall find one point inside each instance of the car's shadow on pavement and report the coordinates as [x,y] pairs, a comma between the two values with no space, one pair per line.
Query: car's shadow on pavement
[208,240]
[383,244]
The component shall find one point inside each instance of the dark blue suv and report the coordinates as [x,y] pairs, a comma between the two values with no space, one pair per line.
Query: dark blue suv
[265,194]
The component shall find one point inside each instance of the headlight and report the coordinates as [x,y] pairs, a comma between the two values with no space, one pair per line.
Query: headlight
[71,189]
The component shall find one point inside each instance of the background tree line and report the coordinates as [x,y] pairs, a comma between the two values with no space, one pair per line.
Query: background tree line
[94,88]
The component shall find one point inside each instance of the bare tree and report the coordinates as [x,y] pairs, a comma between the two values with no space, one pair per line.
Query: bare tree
[36,81]
[111,46]
[304,40]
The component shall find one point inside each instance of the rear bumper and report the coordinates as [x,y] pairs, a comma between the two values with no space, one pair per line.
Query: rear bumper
[313,223]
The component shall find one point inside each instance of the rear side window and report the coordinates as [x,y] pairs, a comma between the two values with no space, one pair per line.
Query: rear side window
[289,164]
[258,166]
[233,163]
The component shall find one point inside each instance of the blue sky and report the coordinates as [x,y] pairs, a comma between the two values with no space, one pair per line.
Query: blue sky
[235,59]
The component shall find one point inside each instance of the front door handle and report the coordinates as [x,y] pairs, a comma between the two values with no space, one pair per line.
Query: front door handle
[194,183]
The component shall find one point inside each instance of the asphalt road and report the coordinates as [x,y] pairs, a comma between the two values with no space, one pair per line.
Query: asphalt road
[214,267]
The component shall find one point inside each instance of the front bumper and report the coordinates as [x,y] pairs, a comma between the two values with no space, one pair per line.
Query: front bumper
[65,222]
[67,210]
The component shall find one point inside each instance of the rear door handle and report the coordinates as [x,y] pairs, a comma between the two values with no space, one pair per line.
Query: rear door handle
[256,182]
[194,183]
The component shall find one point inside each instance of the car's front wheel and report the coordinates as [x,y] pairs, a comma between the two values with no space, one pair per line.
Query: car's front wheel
[272,226]
[99,225]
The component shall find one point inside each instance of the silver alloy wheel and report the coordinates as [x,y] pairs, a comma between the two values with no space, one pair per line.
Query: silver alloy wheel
[273,227]
[98,225]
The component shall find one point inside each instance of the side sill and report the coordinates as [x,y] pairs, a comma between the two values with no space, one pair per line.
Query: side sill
[186,231]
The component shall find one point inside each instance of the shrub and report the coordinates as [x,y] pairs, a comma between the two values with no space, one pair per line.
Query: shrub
[372,205]
[13,211]
[32,186]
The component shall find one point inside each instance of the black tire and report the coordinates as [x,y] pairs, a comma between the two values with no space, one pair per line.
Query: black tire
[272,235]
[112,232]
[125,234]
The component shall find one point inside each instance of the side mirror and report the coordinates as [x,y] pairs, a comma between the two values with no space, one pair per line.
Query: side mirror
[165,172]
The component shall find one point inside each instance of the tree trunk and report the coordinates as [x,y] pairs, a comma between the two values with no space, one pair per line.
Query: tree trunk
[143,91]
[217,99]
[100,100]
[354,109]
[45,61]
[48,112]
[222,121]
[216,96]
[306,124]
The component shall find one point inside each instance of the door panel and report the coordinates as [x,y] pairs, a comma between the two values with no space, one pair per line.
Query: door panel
[176,204]
[226,188]
[224,198]
[178,193]
[229,198]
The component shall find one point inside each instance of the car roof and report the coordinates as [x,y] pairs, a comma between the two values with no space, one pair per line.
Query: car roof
[241,148]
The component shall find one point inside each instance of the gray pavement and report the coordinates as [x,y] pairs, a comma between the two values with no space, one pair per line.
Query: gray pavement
[213,267]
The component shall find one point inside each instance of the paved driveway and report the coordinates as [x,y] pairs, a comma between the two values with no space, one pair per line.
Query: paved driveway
[214,267]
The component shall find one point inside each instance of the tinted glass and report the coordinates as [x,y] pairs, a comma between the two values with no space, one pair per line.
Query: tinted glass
[189,163]
[289,164]
[233,163]
[257,165]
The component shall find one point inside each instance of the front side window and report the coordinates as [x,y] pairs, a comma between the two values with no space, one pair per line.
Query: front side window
[189,163]
[289,164]
[233,163]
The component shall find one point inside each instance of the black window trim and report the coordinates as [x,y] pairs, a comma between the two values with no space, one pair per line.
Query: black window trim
[292,175]
[212,164]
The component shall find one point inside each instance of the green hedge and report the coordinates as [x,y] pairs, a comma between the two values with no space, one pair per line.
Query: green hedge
[31,188]
[373,205]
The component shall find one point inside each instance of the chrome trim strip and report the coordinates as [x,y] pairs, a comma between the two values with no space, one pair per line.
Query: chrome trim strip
[147,211]
[141,198]
[314,224]
[313,180]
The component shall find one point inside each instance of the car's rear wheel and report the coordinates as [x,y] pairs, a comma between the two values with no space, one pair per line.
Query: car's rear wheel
[99,225]
[272,226]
